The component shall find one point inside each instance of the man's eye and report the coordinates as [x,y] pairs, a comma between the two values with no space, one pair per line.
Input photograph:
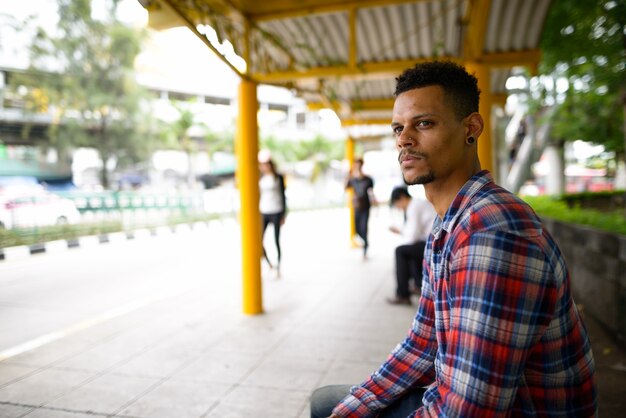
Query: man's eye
[397,130]
[423,123]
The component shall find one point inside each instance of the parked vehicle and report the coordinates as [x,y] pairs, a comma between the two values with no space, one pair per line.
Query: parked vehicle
[33,206]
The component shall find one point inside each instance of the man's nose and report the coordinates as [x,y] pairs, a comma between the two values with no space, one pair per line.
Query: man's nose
[405,140]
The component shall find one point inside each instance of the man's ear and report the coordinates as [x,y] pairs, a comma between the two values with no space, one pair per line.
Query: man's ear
[474,125]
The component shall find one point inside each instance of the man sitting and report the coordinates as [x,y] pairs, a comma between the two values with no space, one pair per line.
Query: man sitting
[419,215]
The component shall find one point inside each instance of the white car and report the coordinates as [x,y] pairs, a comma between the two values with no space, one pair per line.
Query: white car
[33,206]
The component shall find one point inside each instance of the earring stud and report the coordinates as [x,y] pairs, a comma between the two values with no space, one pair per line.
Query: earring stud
[470,140]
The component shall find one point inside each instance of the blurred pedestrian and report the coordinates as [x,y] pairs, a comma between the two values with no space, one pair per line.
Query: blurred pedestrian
[272,203]
[362,187]
[419,215]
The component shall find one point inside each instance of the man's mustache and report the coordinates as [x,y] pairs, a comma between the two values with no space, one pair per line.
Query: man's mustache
[404,153]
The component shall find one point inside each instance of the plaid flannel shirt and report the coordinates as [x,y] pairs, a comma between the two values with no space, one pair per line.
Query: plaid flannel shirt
[496,333]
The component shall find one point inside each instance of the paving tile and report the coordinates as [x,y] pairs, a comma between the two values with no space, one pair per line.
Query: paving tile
[106,394]
[249,340]
[12,372]
[344,372]
[97,359]
[290,373]
[335,348]
[362,330]
[245,402]
[219,366]
[13,411]
[157,363]
[121,348]
[43,387]
[52,413]
[309,347]
[177,399]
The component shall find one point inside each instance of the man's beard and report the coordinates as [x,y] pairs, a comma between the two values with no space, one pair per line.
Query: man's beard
[423,179]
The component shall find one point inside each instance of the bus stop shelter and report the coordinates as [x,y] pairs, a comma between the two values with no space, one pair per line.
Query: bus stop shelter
[344,55]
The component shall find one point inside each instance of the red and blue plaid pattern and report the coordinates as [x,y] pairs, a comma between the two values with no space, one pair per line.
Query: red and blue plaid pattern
[497,333]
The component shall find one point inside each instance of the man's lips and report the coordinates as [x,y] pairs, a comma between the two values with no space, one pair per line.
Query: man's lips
[406,158]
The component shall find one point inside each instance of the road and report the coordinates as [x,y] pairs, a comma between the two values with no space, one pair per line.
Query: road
[58,293]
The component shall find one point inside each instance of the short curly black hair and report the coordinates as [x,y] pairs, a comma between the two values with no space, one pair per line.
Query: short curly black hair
[460,87]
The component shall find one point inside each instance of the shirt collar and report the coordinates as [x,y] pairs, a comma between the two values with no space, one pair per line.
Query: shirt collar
[461,202]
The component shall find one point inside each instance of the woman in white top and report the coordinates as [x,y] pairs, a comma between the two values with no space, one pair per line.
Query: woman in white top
[272,202]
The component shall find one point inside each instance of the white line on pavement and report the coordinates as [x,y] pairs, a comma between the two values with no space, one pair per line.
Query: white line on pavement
[88,323]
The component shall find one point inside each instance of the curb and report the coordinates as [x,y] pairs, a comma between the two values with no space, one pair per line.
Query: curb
[51,247]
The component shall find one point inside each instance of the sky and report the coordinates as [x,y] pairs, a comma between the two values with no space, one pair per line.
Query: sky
[174,58]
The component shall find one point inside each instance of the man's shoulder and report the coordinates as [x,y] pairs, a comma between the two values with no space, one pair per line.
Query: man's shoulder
[494,208]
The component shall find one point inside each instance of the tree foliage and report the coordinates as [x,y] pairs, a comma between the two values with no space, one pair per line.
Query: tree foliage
[584,43]
[84,73]
[179,134]
[319,150]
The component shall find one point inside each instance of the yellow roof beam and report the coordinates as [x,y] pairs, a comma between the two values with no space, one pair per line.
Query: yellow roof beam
[529,58]
[370,138]
[272,12]
[355,105]
[352,47]
[373,68]
[498,59]
[366,121]
[477,21]
[315,106]
[372,104]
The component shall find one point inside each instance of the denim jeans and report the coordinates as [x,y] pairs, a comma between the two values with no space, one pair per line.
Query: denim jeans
[361,219]
[409,260]
[324,399]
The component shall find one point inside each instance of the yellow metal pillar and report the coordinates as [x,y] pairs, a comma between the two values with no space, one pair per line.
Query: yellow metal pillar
[247,148]
[485,143]
[350,158]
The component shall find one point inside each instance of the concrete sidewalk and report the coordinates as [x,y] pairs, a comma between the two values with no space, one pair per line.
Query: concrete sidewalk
[194,354]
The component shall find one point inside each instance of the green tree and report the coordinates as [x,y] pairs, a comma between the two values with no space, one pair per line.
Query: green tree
[584,43]
[83,73]
[178,134]
[320,150]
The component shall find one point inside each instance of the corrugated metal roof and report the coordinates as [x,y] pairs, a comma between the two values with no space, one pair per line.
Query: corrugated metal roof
[346,54]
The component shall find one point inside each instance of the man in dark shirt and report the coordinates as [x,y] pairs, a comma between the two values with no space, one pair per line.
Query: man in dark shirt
[362,187]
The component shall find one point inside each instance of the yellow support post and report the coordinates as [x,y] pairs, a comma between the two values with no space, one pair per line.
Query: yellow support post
[350,158]
[485,145]
[247,148]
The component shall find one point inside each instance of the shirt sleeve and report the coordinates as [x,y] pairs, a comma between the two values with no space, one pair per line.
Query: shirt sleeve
[501,296]
[409,365]
[411,229]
